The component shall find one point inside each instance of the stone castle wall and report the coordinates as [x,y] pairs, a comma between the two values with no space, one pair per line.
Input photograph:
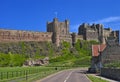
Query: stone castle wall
[94,32]
[15,35]
[91,35]
[58,32]
[76,37]
[107,32]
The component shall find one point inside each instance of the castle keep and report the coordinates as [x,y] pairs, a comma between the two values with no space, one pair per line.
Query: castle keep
[94,32]
[58,32]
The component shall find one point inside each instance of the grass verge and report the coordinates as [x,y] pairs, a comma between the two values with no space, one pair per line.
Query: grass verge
[96,79]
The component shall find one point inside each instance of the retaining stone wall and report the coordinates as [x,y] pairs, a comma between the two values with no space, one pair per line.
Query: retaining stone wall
[112,73]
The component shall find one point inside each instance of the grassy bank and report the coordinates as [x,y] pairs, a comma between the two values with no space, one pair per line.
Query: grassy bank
[15,54]
[95,79]
[60,57]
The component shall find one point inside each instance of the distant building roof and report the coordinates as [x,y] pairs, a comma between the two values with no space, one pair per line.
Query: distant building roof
[97,48]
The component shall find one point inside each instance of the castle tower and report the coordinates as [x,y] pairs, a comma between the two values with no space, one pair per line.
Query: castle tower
[55,25]
[60,31]
[56,31]
[100,31]
[67,26]
[82,30]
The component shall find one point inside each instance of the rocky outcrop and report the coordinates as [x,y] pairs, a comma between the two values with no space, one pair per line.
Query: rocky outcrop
[37,62]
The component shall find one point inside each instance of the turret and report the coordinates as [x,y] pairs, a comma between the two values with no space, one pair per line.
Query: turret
[55,24]
[67,26]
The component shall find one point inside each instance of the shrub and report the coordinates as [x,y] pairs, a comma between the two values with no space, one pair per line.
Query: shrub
[4,59]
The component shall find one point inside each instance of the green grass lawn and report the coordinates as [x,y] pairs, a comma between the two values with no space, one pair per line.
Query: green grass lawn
[9,69]
[96,79]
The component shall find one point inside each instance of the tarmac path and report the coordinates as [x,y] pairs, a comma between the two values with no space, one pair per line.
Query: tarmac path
[73,75]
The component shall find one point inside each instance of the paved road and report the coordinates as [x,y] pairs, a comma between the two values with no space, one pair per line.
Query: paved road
[74,75]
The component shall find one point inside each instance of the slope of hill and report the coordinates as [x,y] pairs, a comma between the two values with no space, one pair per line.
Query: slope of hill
[15,54]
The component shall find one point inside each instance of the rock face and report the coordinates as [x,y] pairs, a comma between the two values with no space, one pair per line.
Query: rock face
[37,62]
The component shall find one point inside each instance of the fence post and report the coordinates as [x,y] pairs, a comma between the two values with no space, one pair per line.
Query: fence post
[20,73]
[1,75]
[29,71]
[16,73]
[7,74]
[24,72]
[12,74]
[26,76]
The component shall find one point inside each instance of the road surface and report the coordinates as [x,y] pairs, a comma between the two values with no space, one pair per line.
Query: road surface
[74,75]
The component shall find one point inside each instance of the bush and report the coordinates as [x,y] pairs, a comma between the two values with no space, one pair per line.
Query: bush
[11,60]
[16,60]
[4,59]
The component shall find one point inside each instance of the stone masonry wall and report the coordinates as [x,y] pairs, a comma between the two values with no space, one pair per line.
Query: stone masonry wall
[91,35]
[15,36]
[111,53]
[111,73]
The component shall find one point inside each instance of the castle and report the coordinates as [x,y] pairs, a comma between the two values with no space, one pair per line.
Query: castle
[58,32]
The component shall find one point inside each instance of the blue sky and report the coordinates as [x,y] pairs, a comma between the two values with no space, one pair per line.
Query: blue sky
[33,14]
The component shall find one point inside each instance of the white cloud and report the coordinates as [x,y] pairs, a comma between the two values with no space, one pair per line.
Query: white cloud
[107,20]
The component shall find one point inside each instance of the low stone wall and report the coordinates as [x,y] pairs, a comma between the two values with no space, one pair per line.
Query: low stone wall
[112,73]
